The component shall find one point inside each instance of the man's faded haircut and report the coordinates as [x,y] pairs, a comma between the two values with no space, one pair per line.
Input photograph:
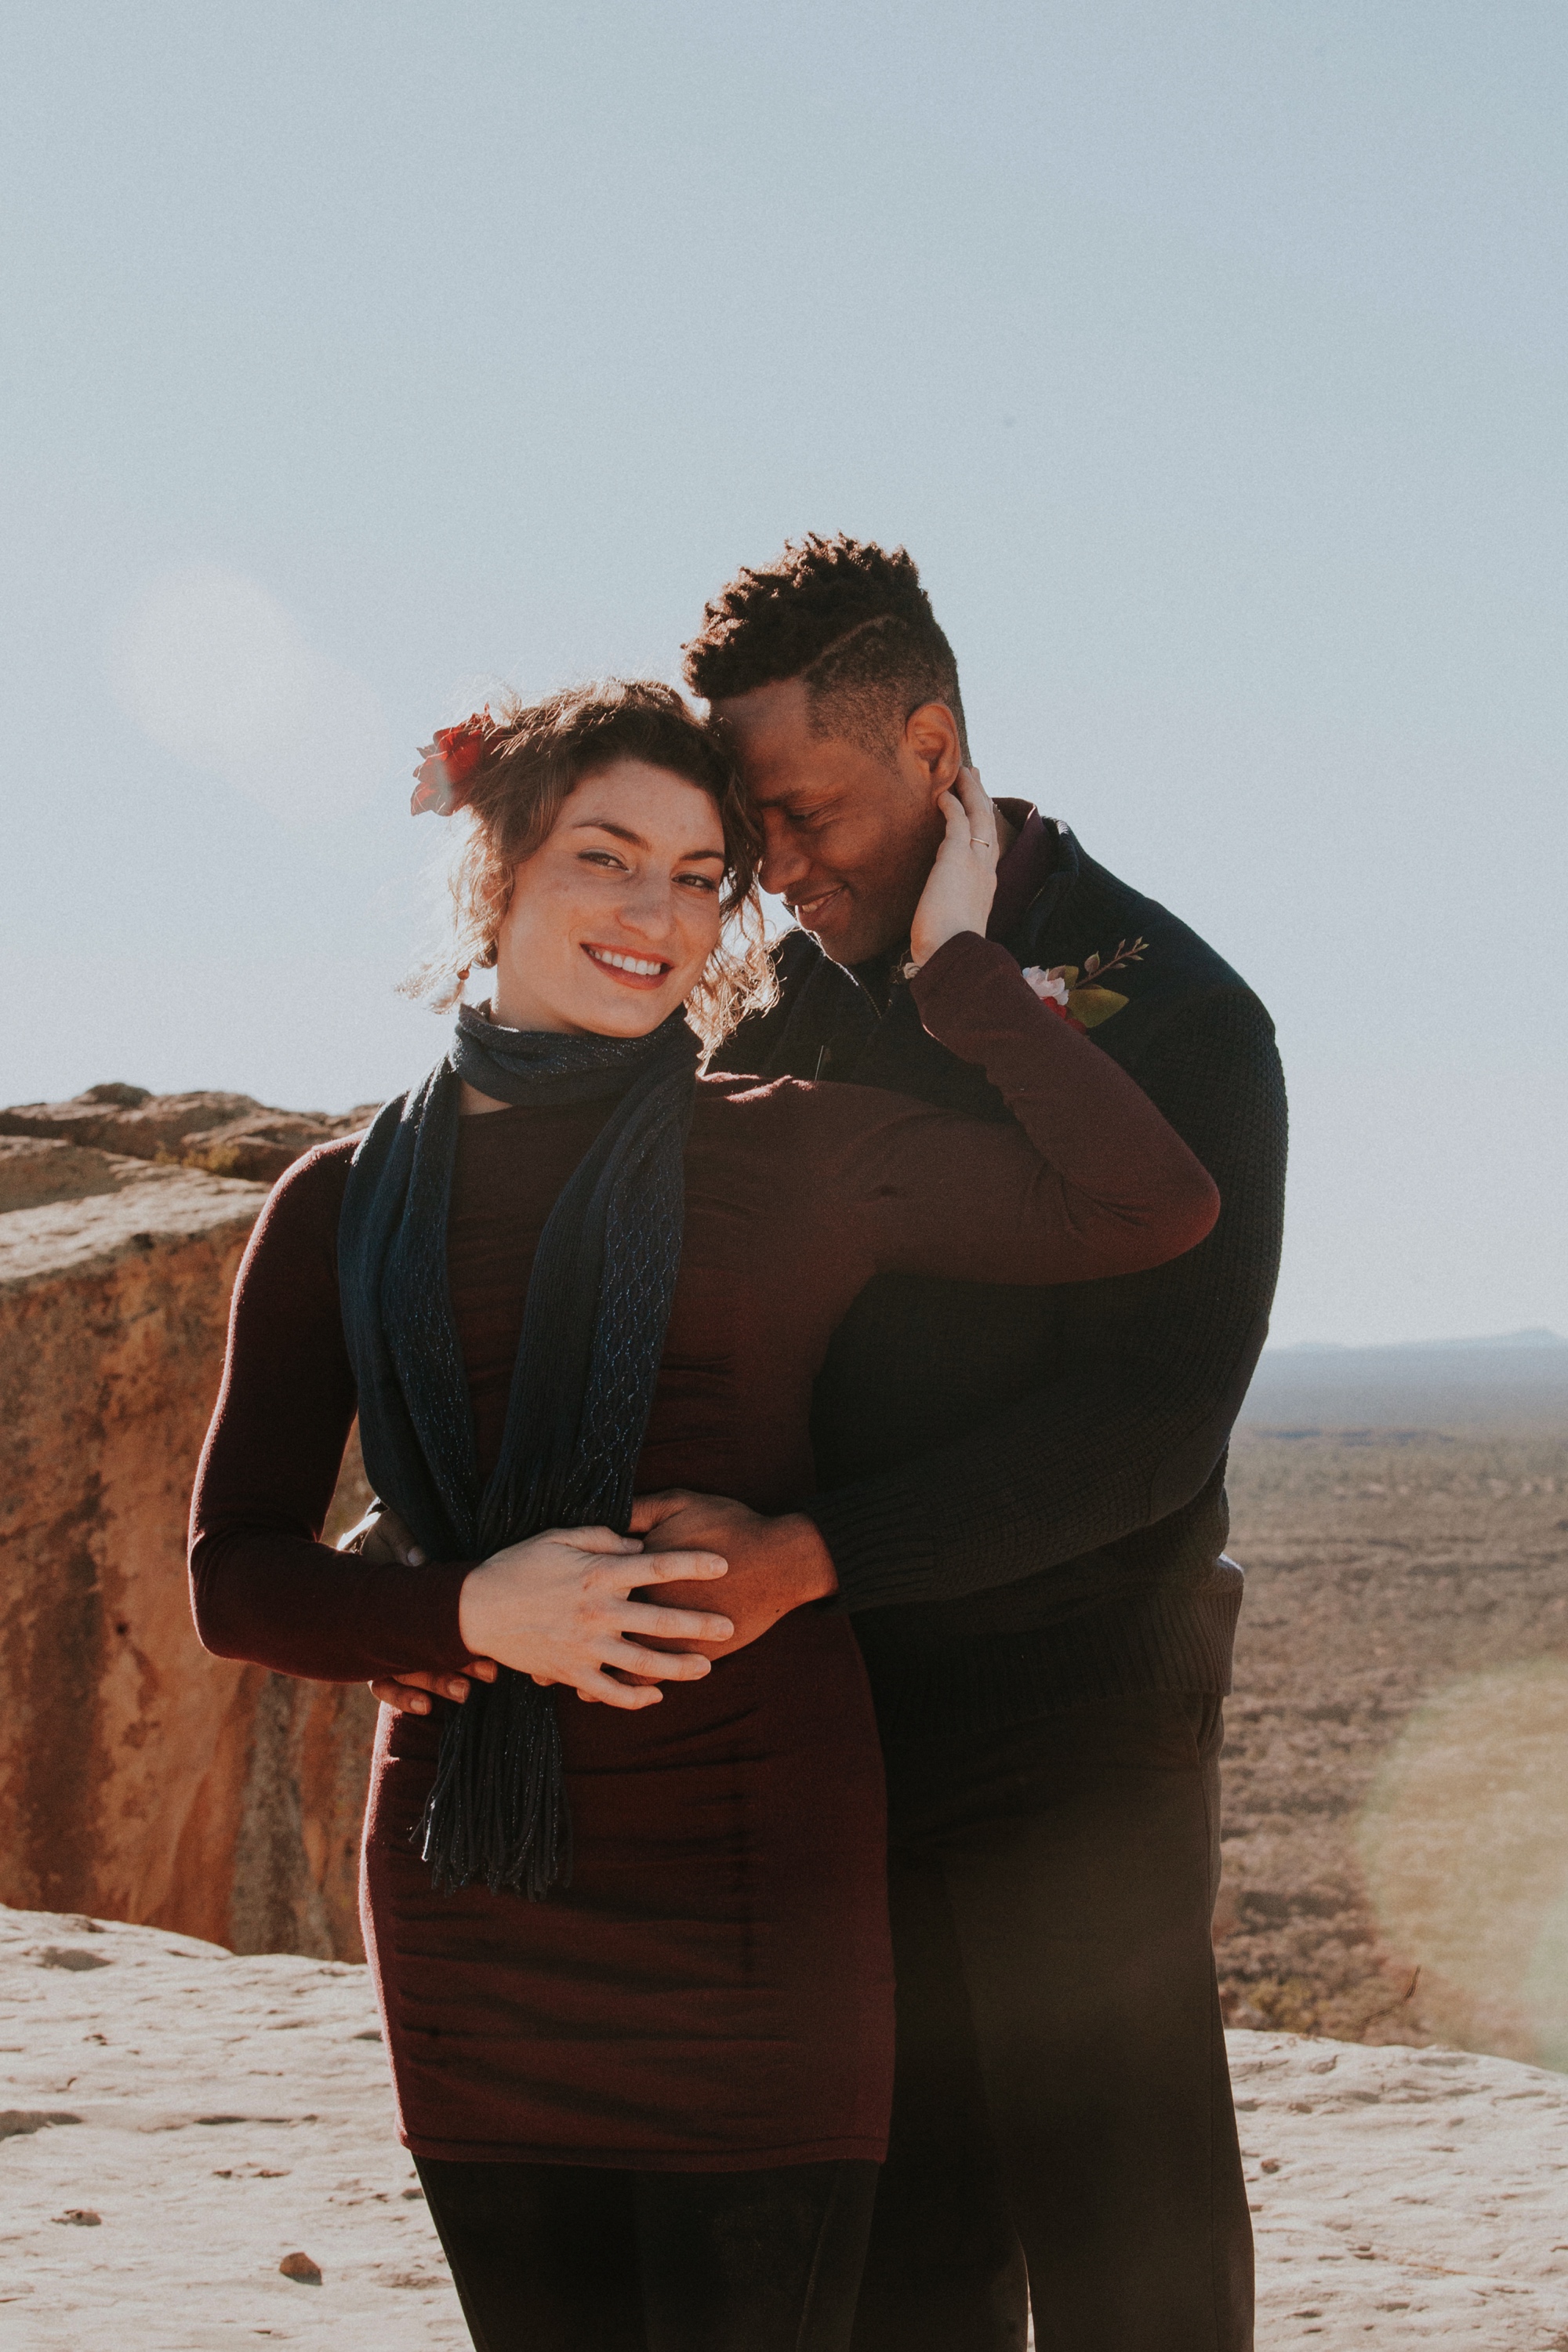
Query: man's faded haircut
[846,616]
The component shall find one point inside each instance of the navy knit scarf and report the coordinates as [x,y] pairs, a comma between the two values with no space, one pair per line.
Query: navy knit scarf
[593,1333]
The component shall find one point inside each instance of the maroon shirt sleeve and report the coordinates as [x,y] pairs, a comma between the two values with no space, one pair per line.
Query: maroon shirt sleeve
[1096,1182]
[263,1586]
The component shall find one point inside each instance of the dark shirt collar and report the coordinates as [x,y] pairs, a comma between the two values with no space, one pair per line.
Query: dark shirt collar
[1024,869]
[1022,875]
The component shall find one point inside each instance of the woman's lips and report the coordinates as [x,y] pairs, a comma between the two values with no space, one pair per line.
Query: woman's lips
[643,979]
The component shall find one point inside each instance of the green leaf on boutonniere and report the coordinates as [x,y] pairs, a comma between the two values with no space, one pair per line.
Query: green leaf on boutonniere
[1093,1005]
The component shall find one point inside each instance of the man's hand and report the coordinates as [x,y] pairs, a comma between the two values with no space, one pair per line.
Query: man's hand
[775,1565]
[408,1692]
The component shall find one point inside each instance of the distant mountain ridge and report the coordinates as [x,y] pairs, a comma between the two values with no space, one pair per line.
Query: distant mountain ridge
[1517,1379]
[1537,1336]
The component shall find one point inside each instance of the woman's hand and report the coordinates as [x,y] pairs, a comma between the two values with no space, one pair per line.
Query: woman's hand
[961,884]
[557,1607]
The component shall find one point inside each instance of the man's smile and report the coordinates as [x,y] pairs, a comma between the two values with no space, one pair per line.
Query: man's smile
[808,912]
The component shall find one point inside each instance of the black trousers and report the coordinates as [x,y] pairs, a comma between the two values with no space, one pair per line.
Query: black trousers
[1062,2119]
[576,2258]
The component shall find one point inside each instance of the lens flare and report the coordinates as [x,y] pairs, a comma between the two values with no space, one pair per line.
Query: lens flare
[1463,1840]
[217,672]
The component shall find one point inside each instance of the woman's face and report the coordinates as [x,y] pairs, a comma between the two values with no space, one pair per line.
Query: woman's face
[614,915]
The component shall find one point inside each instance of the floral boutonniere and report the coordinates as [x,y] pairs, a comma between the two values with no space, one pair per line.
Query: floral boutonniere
[1081,999]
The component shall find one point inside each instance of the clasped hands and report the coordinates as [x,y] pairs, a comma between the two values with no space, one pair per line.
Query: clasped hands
[571,1606]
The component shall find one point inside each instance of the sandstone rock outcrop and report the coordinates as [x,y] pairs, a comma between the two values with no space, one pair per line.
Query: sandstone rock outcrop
[226,1135]
[140,1779]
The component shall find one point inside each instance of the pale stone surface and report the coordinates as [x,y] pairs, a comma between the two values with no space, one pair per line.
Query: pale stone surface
[139,1778]
[232,2111]
[1420,2195]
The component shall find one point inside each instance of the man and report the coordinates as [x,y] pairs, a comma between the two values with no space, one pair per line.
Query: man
[1023,1506]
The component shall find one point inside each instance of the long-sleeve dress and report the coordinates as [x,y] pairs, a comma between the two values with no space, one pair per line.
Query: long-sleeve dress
[713,1989]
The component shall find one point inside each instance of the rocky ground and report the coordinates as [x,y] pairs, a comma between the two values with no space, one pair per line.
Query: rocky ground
[1396,1845]
[197,2150]
[178,2122]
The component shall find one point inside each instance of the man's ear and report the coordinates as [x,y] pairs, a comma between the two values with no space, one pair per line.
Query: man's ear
[931,744]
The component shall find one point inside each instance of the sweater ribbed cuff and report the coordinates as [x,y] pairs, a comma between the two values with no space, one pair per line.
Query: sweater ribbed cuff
[944,986]
[880,1542]
[1155,1640]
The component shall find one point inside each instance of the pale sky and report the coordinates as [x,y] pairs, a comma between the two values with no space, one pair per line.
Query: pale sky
[1210,360]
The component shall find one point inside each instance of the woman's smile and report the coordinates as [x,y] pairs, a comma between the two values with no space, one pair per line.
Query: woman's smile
[629,969]
[639,850]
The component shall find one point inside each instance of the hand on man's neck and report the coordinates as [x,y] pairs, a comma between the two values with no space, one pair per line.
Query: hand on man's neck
[876,975]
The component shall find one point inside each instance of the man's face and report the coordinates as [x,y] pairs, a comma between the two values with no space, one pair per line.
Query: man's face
[849,834]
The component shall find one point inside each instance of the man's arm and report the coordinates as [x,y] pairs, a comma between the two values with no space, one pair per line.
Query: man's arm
[1117,1443]
[1110,1448]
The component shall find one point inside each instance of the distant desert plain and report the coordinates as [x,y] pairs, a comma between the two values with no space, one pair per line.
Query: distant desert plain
[1397,1764]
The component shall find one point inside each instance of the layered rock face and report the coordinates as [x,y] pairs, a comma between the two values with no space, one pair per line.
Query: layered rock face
[226,1135]
[139,1778]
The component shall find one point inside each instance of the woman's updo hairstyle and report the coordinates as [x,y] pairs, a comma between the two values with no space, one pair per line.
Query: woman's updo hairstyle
[534,755]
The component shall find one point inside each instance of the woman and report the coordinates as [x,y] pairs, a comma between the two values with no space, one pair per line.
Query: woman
[647,2108]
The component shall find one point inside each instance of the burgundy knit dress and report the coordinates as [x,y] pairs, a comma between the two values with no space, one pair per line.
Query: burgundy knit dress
[713,1989]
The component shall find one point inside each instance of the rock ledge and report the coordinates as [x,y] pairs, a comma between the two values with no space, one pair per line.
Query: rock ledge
[1414,2196]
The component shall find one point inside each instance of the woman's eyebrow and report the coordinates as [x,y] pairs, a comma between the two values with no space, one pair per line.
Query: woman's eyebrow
[603,824]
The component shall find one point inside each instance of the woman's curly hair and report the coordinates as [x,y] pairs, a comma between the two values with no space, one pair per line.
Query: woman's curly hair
[534,755]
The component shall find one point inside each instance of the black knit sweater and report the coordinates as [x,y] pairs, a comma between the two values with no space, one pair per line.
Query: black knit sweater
[1023,1490]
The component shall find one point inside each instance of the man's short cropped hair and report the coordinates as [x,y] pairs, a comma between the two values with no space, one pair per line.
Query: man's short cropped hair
[848,617]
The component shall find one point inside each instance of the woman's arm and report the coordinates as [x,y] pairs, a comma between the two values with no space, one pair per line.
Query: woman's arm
[263,1586]
[1096,1183]
[1092,1181]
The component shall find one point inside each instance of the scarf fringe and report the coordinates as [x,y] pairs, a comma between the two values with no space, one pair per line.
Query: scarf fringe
[498,1807]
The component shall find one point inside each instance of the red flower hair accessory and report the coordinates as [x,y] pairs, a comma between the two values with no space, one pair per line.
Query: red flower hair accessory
[450,763]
